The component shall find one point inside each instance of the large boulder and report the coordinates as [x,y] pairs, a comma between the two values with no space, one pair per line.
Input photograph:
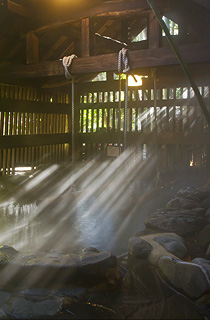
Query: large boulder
[172,243]
[181,221]
[194,193]
[204,237]
[205,264]
[182,203]
[208,253]
[21,308]
[190,278]
[206,203]
[152,247]
[207,215]
[139,248]
[149,297]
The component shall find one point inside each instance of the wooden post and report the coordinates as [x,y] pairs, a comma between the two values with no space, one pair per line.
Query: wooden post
[86,37]
[32,48]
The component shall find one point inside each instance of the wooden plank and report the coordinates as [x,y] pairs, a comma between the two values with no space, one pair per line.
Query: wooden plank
[86,37]
[154,32]
[170,138]
[16,8]
[32,106]
[32,48]
[33,140]
[192,53]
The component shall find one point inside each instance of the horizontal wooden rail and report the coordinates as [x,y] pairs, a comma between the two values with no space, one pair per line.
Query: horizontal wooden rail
[10,105]
[186,138]
[7,142]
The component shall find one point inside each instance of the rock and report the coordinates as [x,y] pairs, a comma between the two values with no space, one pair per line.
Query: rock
[151,298]
[205,264]
[157,250]
[22,308]
[3,315]
[71,292]
[9,252]
[204,236]
[194,192]
[207,215]
[4,296]
[90,249]
[182,203]
[206,203]
[180,221]
[139,248]
[200,211]
[96,264]
[174,307]
[172,243]
[208,253]
[188,277]
[36,292]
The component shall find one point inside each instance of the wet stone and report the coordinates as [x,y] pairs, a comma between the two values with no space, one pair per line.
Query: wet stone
[173,244]
[205,264]
[204,236]
[22,308]
[90,249]
[37,292]
[194,192]
[180,221]
[3,315]
[207,215]
[139,247]
[188,277]
[206,203]
[182,203]
[72,292]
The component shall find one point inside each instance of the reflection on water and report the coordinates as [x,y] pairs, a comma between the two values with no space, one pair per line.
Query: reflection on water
[19,226]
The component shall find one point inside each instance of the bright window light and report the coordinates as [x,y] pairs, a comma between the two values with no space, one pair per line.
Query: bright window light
[133,83]
[23,168]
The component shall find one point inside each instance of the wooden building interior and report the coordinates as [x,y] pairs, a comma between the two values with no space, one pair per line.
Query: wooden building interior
[36,98]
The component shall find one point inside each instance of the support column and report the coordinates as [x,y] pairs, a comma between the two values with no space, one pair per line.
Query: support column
[32,48]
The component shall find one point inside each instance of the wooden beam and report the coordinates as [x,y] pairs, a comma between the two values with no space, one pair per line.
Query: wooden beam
[32,48]
[169,138]
[109,10]
[192,53]
[14,7]
[86,37]
[7,142]
[153,32]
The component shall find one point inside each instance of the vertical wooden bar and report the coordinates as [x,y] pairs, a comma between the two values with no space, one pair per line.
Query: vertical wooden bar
[4,162]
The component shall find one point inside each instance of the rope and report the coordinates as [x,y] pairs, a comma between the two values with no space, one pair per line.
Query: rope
[72,124]
[123,67]
[123,58]
[67,61]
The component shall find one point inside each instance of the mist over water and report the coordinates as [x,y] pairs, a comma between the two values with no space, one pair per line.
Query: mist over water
[99,204]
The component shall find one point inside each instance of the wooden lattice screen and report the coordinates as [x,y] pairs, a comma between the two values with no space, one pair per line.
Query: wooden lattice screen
[34,127]
[181,127]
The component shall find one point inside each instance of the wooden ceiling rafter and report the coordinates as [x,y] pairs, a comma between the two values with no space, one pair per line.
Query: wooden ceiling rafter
[106,10]
[192,53]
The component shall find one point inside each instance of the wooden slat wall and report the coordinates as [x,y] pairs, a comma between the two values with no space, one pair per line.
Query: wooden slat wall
[183,134]
[34,127]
